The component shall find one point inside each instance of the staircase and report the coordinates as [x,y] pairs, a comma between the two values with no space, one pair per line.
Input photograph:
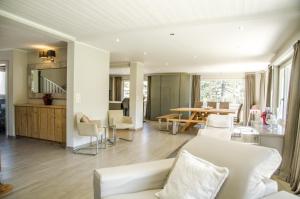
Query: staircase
[49,86]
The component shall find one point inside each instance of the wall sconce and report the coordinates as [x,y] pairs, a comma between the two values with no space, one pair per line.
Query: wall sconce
[43,54]
[49,55]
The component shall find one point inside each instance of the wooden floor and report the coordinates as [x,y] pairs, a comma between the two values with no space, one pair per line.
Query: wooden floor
[43,170]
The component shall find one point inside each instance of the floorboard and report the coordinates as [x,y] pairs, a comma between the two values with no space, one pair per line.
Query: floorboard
[40,169]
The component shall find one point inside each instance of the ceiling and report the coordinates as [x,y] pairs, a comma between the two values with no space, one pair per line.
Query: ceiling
[17,35]
[209,35]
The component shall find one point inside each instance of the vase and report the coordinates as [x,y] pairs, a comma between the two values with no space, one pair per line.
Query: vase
[48,99]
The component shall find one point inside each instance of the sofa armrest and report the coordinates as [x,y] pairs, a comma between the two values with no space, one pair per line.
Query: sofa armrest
[271,186]
[131,178]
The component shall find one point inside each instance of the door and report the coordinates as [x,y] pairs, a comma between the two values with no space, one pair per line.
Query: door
[60,125]
[155,97]
[170,85]
[3,98]
[33,122]
[21,120]
[47,123]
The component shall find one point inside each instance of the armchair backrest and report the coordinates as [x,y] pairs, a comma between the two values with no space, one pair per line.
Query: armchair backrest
[114,116]
[220,121]
[78,116]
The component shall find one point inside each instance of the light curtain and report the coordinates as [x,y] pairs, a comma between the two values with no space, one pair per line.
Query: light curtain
[148,106]
[290,168]
[269,87]
[195,89]
[118,88]
[249,95]
[262,91]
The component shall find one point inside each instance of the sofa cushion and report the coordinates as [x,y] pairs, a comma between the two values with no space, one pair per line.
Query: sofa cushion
[219,133]
[249,165]
[149,194]
[220,121]
[193,178]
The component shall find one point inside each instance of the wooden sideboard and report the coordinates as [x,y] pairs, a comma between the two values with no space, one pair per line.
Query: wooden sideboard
[41,122]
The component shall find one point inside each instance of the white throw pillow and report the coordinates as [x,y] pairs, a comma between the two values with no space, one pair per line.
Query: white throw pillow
[193,178]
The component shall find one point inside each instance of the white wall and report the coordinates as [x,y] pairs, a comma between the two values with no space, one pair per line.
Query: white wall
[88,87]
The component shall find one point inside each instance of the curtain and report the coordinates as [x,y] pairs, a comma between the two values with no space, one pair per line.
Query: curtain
[262,91]
[148,106]
[269,87]
[249,95]
[118,88]
[290,168]
[195,89]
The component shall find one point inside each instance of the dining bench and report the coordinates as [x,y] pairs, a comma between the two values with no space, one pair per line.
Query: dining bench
[176,122]
[166,118]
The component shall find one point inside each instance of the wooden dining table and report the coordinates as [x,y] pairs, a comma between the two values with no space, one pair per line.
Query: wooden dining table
[200,114]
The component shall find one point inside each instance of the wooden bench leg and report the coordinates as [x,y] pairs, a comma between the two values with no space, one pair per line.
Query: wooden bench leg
[159,124]
[175,128]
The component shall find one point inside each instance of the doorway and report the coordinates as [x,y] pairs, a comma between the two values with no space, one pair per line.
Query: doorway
[3,97]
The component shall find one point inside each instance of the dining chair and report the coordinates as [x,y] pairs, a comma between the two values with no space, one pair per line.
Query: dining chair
[237,118]
[90,128]
[198,104]
[224,105]
[212,104]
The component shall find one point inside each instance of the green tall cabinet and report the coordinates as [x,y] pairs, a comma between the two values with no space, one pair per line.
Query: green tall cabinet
[169,91]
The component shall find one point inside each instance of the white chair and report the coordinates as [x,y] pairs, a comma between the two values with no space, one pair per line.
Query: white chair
[117,121]
[93,128]
[218,126]
[250,169]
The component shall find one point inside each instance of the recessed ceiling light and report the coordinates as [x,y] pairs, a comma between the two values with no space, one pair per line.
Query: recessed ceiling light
[117,39]
[241,28]
[145,53]
[166,63]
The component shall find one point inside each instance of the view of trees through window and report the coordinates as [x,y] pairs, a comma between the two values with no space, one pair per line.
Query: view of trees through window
[223,90]
[126,88]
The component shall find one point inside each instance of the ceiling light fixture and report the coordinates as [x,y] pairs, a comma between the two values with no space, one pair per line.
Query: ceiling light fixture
[145,53]
[195,57]
[241,28]
[118,40]
[166,63]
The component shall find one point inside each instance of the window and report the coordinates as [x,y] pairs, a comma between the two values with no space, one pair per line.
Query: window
[2,83]
[284,81]
[126,88]
[223,90]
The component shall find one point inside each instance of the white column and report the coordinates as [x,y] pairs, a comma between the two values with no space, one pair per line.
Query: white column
[136,93]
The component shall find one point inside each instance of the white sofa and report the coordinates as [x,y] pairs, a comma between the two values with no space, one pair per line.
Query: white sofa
[250,168]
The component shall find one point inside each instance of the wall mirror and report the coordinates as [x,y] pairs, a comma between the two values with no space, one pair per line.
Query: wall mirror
[42,80]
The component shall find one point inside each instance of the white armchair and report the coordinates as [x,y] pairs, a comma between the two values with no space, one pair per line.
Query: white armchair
[218,126]
[250,168]
[92,128]
[116,121]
